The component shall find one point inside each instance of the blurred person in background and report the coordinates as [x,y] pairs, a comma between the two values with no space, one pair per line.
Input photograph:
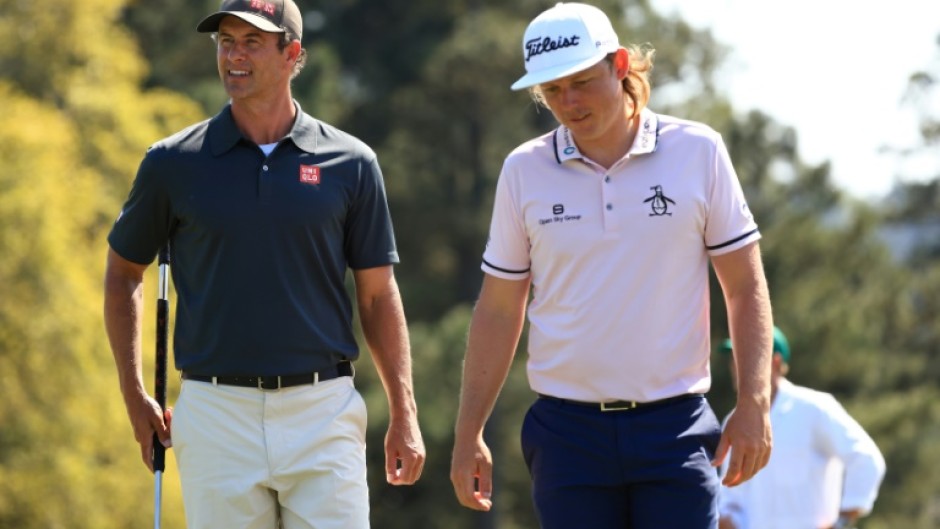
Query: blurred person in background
[825,470]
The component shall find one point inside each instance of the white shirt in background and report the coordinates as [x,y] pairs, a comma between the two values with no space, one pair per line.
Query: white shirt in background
[822,462]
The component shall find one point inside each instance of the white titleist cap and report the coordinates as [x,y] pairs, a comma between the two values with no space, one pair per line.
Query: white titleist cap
[563,40]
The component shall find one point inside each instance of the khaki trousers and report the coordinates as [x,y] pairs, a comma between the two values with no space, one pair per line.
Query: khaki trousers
[253,459]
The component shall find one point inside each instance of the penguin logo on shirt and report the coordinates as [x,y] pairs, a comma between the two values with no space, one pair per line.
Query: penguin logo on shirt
[659,202]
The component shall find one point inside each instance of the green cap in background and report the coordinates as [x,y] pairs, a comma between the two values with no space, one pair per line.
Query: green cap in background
[781,345]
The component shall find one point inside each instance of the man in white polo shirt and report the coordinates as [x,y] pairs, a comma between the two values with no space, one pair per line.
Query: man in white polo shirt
[610,222]
[825,471]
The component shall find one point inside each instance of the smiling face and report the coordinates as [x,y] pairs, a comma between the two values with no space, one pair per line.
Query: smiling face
[591,102]
[250,63]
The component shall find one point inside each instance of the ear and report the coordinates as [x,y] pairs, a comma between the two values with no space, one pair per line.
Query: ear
[293,51]
[622,63]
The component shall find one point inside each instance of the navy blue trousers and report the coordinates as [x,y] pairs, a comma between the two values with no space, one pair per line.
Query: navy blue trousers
[646,468]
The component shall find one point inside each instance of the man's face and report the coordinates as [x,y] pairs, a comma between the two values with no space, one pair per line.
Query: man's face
[589,102]
[250,64]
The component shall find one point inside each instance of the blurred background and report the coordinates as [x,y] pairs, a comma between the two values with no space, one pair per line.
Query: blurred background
[854,271]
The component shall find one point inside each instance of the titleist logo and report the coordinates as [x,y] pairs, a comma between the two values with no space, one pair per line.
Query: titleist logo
[540,45]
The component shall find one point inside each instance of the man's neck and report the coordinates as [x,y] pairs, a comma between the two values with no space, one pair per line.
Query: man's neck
[265,121]
[612,147]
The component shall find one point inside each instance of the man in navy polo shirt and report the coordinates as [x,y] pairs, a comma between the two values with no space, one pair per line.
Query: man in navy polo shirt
[610,223]
[265,208]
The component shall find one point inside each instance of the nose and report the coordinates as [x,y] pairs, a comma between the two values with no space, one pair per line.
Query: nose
[233,52]
[568,97]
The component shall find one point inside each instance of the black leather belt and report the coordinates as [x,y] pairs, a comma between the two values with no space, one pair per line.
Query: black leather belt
[272,382]
[621,405]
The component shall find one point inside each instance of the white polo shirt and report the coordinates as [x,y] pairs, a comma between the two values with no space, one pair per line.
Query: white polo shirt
[823,461]
[618,258]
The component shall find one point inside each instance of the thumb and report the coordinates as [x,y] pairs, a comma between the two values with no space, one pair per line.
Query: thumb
[724,446]
[164,432]
[485,485]
[392,467]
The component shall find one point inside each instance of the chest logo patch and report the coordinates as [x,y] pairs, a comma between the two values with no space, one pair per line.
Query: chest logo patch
[659,203]
[559,216]
[310,174]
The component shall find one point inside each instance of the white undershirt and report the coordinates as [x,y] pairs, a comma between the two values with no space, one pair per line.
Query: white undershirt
[267,148]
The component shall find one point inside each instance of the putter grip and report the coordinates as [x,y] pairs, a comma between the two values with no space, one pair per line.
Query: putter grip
[163,311]
[159,455]
[160,378]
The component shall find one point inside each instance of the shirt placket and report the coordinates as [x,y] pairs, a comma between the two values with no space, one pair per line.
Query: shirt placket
[266,179]
[610,200]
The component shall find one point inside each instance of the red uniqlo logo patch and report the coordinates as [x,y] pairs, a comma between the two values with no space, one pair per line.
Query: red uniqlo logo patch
[310,174]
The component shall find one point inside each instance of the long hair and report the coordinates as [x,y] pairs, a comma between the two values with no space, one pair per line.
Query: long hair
[636,85]
[637,82]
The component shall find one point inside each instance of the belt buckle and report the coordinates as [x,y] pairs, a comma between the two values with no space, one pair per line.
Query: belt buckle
[619,405]
[263,387]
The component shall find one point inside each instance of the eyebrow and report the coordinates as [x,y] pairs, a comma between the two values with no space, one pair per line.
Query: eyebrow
[256,33]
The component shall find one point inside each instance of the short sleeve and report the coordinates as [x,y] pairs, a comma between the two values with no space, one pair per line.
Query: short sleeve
[370,237]
[144,223]
[507,248]
[730,223]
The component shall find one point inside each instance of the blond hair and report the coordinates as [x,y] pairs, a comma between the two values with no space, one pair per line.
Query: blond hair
[636,85]
[637,82]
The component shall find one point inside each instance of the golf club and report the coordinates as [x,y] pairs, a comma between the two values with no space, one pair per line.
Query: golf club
[163,309]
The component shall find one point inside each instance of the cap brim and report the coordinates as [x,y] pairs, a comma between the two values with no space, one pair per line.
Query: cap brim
[550,74]
[210,24]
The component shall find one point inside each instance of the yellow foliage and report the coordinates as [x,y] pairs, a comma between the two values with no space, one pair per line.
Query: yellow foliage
[76,57]
[66,449]
[74,126]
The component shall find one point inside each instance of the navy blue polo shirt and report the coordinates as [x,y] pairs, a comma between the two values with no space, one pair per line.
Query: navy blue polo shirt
[260,244]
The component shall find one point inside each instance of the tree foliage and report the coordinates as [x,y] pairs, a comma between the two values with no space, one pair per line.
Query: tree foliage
[87,86]
[74,125]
